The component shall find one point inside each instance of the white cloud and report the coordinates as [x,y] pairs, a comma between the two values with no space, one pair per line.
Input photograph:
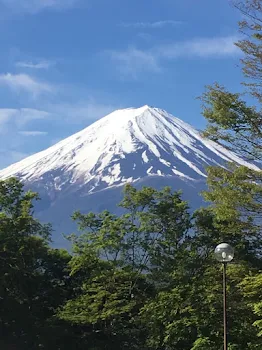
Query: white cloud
[34,6]
[13,146]
[144,36]
[33,133]
[216,47]
[24,82]
[153,25]
[20,117]
[63,113]
[6,114]
[39,65]
[80,113]
[26,115]
[51,123]
[133,61]
[65,119]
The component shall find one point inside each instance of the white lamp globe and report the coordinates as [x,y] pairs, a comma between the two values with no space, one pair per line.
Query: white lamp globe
[224,253]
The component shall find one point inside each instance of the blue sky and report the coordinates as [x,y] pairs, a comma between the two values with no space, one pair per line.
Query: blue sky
[66,63]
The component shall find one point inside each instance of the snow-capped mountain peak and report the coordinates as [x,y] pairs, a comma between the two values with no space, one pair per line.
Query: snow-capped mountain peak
[125,145]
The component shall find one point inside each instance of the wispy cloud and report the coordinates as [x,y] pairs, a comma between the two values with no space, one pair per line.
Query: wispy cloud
[14,133]
[63,114]
[216,47]
[5,115]
[39,65]
[24,82]
[34,6]
[153,25]
[33,133]
[133,61]
[19,127]
[81,112]
[20,117]
[27,115]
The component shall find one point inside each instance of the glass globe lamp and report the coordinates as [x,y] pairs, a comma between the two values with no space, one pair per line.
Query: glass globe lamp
[224,253]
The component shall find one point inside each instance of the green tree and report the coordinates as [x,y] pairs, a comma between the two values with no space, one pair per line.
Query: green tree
[188,313]
[235,193]
[251,44]
[123,262]
[236,210]
[252,290]
[232,123]
[33,277]
[149,233]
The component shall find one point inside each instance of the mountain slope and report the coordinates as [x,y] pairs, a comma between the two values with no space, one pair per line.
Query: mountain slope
[86,171]
[124,146]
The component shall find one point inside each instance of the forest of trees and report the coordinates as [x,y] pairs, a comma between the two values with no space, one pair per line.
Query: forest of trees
[143,280]
[148,279]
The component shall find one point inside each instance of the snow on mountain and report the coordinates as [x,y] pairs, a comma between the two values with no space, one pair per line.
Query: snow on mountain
[124,146]
[86,171]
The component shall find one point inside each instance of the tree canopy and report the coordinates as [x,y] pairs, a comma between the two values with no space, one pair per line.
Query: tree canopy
[145,279]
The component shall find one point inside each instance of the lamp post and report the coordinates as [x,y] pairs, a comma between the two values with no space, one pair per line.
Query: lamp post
[224,253]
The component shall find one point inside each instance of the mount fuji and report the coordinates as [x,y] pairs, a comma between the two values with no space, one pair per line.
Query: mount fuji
[144,146]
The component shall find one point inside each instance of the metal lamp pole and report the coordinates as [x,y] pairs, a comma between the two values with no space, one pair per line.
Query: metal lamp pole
[225,303]
[224,253]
